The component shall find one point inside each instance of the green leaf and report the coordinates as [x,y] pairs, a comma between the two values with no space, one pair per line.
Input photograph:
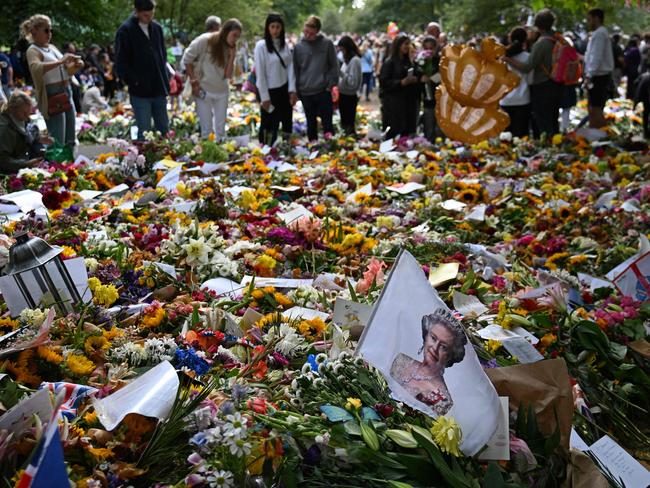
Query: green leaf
[352,428]
[493,477]
[402,438]
[353,293]
[439,461]
[398,484]
[195,316]
[369,436]
[617,351]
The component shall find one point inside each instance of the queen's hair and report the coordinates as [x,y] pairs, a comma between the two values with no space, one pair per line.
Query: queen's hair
[446,319]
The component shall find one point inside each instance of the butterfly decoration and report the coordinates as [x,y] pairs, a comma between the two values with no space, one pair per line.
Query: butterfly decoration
[338,414]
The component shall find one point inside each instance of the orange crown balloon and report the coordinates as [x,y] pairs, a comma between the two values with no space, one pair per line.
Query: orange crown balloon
[468,124]
[473,82]
[476,78]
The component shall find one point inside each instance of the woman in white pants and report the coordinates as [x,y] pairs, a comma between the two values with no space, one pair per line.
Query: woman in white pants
[209,61]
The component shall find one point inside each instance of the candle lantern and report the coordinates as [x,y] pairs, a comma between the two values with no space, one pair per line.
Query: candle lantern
[41,275]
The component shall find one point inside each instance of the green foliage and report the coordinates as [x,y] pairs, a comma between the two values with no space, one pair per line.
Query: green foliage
[72,20]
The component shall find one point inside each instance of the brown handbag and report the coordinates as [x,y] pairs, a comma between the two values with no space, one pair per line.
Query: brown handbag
[59,103]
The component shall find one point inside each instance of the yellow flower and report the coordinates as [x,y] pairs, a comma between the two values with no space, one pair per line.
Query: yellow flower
[447,435]
[93,283]
[556,140]
[90,417]
[68,252]
[101,453]
[105,295]
[282,300]
[492,346]
[8,324]
[49,354]
[362,198]
[385,221]
[548,339]
[96,343]
[154,319]
[113,333]
[79,364]
[558,256]
[468,195]
[248,200]
[353,404]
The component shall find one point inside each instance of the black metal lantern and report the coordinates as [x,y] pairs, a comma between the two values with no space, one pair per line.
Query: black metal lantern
[39,273]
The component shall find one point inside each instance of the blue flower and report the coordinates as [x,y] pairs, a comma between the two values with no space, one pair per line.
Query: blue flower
[191,360]
[311,360]
[198,439]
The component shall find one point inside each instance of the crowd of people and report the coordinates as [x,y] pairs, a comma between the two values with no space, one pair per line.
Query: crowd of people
[324,74]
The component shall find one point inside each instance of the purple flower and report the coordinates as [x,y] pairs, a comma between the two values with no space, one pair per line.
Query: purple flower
[239,392]
[312,456]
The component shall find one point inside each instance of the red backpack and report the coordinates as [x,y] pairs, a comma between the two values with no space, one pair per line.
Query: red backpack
[566,67]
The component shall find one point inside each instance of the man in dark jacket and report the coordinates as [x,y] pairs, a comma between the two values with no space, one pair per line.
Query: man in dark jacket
[20,143]
[317,72]
[140,61]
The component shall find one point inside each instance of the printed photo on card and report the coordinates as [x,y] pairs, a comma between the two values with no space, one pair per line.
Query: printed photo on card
[422,350]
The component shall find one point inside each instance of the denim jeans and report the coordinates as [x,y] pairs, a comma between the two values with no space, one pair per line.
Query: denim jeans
[318,105]
[61,127]
[146,108]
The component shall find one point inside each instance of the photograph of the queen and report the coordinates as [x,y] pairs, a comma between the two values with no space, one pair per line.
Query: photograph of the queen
[443,345]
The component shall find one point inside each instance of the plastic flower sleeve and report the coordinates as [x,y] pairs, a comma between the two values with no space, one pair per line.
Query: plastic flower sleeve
[151,395]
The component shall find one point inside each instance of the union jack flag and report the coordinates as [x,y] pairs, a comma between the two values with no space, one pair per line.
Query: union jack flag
[74,395]
[47,466]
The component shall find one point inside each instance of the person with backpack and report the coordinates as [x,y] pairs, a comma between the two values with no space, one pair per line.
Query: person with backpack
[545,92]
[275,81]
[599,65]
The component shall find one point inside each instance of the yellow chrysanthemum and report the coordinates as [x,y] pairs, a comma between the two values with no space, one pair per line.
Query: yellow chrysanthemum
[447,435]
[105,295]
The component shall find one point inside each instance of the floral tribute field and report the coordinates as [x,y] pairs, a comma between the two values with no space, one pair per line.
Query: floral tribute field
[518,237]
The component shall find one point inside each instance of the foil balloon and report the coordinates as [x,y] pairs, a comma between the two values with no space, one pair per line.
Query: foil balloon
[473,83]
[476,78]
[468,124]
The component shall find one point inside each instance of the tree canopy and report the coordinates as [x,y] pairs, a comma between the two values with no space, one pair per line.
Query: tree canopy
[96,21]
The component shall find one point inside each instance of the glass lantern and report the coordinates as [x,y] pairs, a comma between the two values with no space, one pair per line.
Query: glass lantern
[40,274]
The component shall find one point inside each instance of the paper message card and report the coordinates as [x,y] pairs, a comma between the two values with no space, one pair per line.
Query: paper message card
[620,463]
[304,313]
[443,273]
[520,347]
[349,314]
